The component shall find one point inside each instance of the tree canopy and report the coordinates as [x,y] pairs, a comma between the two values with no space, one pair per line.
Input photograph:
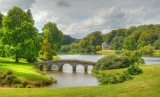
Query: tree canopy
[20,34]
[53,35]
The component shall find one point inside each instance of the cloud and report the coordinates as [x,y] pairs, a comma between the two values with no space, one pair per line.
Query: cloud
[5,5]
[63,4]
[81,17]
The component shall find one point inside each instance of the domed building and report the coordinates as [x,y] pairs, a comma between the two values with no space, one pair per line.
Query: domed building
[105,46]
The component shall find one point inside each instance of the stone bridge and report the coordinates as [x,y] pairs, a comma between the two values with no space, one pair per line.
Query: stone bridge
[61,62]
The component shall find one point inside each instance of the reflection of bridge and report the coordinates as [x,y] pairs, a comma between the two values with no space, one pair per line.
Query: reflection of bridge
[61,62]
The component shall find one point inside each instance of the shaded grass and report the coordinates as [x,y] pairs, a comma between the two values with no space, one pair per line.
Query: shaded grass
[24,70]
[143,85]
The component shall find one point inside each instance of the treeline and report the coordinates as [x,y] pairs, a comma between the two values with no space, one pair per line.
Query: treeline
[89,44]
[145,38]
[19,37]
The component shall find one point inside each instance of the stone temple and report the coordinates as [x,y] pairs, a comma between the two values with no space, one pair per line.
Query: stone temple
[105,46]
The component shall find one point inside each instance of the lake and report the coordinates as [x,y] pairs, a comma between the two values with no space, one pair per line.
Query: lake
[68,79]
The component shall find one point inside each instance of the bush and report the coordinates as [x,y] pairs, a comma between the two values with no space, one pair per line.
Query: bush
[8,80]
[112,62]
[9,72]
[147,49]
[24,83]
[18,86]
[3,76]
[16,81]
[48,82]
[30,86]
[108,79]
[37,84]
[134,70]
[125,76]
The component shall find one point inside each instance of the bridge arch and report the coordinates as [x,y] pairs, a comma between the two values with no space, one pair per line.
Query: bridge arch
[60,64]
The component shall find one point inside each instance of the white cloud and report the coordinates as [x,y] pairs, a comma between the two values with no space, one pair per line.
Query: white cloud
[81,17]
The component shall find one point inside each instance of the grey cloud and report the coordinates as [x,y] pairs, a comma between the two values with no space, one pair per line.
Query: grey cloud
[5,5]
[63,4]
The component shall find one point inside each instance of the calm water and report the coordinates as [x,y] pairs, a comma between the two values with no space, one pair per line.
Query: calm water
[69,79]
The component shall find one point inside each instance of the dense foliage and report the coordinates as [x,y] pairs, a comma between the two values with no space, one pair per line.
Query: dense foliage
[53,35]
[134,38]
[68,40]
[135,57]
[46,51]
[89,44]
[20,35]
[112,62]
[1,19]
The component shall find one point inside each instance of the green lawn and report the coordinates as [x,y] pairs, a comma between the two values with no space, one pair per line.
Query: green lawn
[24,70]
[106,52]
[143,85]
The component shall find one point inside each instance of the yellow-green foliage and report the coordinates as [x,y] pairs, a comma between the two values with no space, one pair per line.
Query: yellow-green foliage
[106,52]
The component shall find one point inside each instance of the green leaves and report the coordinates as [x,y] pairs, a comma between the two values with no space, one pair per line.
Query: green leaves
[20,35]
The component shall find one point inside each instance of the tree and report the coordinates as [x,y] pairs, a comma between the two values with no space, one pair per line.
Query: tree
[20,34]
[129,43]
[134,56]
[46,50]
[30,14]
[53,35]
[1,19]
[148,49]
[68,40]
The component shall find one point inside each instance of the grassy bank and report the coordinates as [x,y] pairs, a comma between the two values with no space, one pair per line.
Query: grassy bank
[106,52]
[143,85]
[23,70]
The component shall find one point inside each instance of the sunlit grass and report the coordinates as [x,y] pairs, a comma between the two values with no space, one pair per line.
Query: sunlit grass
[106,52]
[24,70]
[143,85]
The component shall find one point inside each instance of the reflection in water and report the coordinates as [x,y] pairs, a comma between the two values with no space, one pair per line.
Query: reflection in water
[69,79]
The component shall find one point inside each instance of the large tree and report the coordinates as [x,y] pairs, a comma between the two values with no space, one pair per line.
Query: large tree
[129,43]
[1,18]
[20,34]
[53,35]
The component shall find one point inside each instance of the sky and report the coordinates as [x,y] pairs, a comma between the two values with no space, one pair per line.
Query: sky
[78,18]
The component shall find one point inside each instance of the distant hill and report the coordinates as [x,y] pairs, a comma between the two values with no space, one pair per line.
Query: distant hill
[68,40]
[143,35]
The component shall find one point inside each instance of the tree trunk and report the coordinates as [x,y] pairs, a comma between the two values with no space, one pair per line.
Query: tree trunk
[17,58]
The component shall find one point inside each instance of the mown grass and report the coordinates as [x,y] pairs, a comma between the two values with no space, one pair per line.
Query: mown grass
[156,53]
[106,52]
[24,70]
[143,85]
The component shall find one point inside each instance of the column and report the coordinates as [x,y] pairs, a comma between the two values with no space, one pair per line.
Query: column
[85,69]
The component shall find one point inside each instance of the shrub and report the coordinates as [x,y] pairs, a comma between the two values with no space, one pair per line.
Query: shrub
[18,86]
[112,62]
[30,86]
[9,72]
[3,76]
[37,84]
[125,76]
[108,79]
[8,80]
[16,81]
[24,83]
[134,70]
[48,82]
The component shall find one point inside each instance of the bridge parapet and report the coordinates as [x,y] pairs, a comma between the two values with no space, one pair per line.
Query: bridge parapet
[61,62]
